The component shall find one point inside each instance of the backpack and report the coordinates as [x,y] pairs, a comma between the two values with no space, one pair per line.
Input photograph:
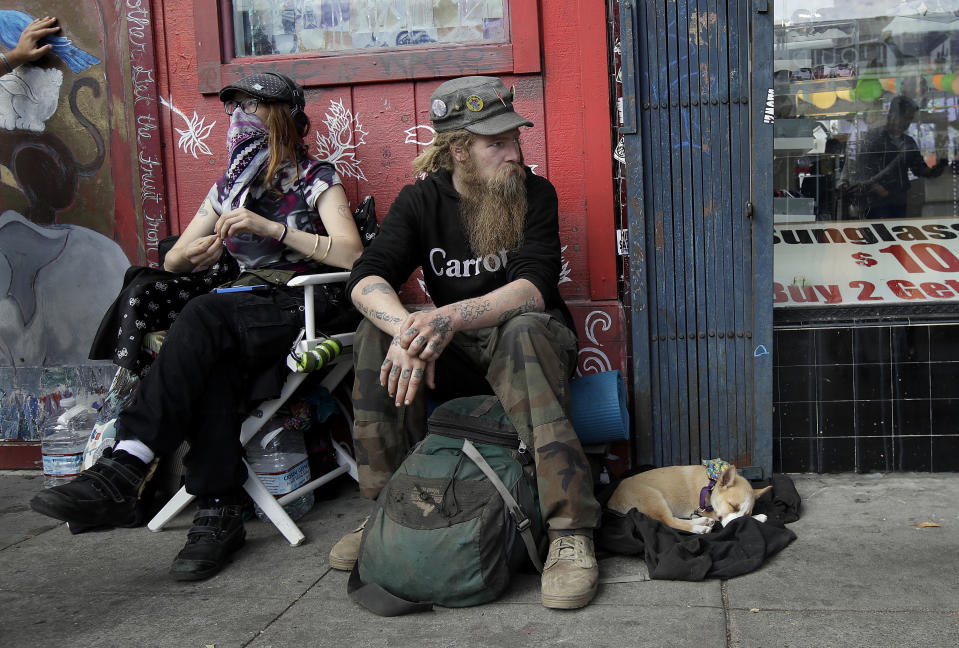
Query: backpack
[458,517]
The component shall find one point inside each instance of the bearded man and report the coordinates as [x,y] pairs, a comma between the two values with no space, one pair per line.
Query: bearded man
[485,231]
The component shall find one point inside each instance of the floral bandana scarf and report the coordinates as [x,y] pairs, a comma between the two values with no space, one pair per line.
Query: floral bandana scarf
[246,142]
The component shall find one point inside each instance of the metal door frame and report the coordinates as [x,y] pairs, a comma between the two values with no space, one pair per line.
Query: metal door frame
[754,195]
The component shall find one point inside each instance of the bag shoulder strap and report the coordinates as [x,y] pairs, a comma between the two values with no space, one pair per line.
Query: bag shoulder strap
[517,513]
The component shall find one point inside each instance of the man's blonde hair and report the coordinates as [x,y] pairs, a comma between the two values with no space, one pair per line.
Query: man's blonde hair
[438,156]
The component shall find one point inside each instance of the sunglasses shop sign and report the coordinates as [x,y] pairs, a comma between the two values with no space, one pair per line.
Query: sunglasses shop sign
[906,261]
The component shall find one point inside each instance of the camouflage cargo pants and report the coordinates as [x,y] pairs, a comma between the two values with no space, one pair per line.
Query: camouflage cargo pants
[527,362]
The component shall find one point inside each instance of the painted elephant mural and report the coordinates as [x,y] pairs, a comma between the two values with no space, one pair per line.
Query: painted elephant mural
[60,267]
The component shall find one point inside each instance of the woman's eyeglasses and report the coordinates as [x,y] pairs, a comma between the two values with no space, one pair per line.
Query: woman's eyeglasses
[248,106]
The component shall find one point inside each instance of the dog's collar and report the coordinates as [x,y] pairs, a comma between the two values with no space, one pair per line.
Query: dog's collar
[714,468]
[704,506]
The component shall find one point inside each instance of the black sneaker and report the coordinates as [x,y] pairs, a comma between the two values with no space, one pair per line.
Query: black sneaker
[105,494]
[216,533]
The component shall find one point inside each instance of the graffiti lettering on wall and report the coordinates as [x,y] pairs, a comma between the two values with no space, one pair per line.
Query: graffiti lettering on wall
[144,109]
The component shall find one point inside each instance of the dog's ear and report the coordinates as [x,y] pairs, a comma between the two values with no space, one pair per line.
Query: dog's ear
[757,493]
[727,477]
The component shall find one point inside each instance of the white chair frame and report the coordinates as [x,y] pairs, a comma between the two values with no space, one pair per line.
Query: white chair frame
[335,372]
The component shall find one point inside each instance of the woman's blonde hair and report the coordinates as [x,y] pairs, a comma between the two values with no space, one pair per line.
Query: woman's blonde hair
[286,133]
[438,155]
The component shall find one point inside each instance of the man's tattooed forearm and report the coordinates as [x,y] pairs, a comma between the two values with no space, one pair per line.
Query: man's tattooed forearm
[472,309]
[529,306]
[379,286]
[372,314]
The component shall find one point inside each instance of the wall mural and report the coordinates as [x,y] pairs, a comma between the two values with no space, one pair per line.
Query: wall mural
[59,267]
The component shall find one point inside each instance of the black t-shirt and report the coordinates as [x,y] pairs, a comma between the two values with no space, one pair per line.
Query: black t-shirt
[424,229]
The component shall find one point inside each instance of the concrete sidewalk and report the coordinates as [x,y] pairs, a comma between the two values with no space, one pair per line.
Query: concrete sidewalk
[859,574]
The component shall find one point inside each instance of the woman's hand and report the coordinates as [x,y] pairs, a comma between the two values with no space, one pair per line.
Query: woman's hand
[243,221]
[203,252]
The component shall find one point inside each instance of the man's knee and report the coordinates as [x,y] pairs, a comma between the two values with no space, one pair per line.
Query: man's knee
[524,324]
[540,335]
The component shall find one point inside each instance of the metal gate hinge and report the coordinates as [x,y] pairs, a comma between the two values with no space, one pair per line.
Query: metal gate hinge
[749,209]
[762,6]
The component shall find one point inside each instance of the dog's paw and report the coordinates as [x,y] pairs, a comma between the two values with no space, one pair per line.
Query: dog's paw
[702,524]
[761,517]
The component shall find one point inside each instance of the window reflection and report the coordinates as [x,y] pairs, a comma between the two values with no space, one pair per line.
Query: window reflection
[865,202]
[264,27]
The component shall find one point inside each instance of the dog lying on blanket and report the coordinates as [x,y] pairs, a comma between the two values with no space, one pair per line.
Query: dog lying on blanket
[703,494]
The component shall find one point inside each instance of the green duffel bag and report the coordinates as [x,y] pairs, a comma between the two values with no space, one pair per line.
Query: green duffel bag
[455,520]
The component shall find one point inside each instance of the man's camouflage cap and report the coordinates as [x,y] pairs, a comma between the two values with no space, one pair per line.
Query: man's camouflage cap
[480,104]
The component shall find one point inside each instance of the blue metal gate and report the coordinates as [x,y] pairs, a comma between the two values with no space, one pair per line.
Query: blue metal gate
[697,77]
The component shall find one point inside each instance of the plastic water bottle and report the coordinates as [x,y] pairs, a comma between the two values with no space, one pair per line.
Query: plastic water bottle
[63,440]
[279,459]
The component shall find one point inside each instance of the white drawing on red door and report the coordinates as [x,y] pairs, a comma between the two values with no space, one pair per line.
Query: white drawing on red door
[192,137]
[564,272]
[413,135]
[336,147]
[596,360]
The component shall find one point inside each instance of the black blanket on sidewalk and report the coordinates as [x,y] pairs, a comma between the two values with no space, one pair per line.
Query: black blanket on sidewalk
[739,548]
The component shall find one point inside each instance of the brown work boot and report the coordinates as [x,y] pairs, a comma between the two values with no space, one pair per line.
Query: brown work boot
[570,574]
[343,554]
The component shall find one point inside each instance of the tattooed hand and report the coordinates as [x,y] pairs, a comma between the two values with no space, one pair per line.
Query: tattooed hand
[425,334]
[403,374]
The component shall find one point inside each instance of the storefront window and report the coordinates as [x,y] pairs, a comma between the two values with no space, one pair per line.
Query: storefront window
[866,149]
[262,27]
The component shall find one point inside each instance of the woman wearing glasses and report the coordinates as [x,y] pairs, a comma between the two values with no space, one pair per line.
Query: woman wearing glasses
[279,212]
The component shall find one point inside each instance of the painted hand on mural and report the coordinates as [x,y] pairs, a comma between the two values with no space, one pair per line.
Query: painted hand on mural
[28,47]
[14,23]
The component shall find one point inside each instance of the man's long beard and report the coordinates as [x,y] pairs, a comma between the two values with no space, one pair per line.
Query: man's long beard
[494,212]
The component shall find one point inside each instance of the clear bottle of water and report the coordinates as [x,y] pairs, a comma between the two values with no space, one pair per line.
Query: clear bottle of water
[280,460]
[62,441]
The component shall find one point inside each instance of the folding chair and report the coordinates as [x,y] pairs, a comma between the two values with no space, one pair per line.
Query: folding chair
[336,371]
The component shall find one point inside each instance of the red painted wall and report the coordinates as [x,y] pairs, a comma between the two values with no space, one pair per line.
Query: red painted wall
[568,101]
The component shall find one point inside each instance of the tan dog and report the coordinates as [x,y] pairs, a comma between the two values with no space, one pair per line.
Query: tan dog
[676,492]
